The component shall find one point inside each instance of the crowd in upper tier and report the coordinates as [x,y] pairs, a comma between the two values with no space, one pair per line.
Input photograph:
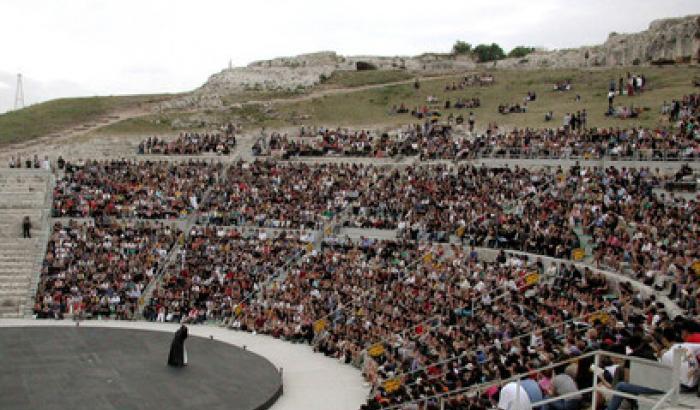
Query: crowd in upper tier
[190,143]
[132,189]
[221,142]
[449,140]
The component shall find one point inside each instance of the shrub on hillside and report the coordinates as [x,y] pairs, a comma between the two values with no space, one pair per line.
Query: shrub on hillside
[492,52]
[520,51]
[461,47]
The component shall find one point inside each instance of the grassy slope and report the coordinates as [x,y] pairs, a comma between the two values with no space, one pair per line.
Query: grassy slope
[372,106]
[252,115]
[57,115]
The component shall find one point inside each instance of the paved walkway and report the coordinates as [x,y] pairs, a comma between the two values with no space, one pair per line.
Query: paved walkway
[311,381]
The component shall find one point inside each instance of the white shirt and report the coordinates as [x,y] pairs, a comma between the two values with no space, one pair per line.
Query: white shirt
[689,362]
[508,396]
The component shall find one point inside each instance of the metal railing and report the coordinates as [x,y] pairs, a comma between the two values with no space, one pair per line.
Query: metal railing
[582,154]
[578,154]
[670,397]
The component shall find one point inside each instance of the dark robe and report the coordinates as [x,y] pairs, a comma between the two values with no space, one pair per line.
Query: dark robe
[177,348]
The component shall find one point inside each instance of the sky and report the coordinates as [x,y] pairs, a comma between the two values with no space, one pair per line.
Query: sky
[108,47]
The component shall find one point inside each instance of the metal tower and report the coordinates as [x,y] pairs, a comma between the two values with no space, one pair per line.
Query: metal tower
[19,93]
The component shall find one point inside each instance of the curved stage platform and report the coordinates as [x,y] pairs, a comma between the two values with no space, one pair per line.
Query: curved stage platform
[103,368]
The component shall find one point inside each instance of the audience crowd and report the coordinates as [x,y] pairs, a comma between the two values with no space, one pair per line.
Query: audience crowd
[132,189]
[190,143]
[215,271]
[454,140]
[284,195]
[100,269]
[425,315]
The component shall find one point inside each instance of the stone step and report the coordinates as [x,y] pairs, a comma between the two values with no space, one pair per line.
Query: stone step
[28,262]
[7,272]
[24,242]
[37,185]
[19,267]
[10,212]
[11,277]
[23,253]
[14,246]
[22,196]
[13,292]
[24,182]
[7,303]
[27,257]
[7,223]
[14,286]
[22,280]
[21,204]
[4,177]
[15,231]
[10,312]
[35,188]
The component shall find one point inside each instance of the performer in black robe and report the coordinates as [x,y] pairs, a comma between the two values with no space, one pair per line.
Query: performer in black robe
[178,353]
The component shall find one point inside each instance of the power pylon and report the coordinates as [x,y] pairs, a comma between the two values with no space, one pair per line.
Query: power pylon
[19,93]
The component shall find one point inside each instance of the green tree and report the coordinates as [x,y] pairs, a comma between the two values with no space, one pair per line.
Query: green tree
[486,52]
[520,51]
[461,47]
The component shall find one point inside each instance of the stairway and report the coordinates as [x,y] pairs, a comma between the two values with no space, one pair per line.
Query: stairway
[22,193]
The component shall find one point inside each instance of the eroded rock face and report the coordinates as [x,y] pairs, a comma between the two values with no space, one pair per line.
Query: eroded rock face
[307,70]
[268,78]
[675,39]
[672,39]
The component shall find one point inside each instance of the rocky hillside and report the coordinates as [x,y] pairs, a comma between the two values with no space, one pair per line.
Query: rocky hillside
[666,40]
[291,73]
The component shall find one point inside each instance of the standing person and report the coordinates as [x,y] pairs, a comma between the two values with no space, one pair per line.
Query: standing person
[178,352]
[26,227]
[620,82]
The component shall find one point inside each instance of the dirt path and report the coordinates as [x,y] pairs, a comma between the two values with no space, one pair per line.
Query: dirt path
[346,90]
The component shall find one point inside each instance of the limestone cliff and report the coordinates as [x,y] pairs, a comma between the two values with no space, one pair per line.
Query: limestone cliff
[666,40]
